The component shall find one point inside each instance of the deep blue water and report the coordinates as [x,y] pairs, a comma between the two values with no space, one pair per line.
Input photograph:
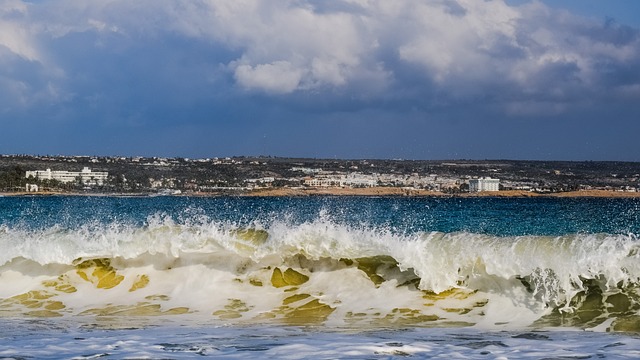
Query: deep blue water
[493,216]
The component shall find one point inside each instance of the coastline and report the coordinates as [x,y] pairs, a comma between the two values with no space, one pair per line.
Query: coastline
[373,191]
[395,191]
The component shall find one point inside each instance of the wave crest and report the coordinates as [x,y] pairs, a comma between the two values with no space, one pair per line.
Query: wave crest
[541,275]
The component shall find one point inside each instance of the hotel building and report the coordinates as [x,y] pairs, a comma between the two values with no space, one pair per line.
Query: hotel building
[86,176]
[484,184]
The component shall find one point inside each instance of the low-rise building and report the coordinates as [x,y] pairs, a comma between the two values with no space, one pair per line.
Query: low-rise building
[32,188]
[86,176]
[342,180]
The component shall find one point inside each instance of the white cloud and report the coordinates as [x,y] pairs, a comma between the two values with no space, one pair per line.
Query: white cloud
[277,77]
[462,49]
[323,49]
[458,44]
[15,33]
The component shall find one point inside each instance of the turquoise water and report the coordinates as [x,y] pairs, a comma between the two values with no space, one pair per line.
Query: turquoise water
[495,216]
[319,277]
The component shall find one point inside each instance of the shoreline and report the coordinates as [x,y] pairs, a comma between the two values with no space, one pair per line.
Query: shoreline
[374,191]
[392,191]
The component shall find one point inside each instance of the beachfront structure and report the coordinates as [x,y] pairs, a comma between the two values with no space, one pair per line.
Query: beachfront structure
[32,188]
[484,184]
[86,176]
[350,180]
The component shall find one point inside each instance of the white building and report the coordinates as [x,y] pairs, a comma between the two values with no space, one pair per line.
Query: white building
[32,188]
[349,180]
[86,176]
[321,182]
[484,184]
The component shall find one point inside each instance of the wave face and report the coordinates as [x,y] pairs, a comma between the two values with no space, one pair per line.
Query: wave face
[358,263]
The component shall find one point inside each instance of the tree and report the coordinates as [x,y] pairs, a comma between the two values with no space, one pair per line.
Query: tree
[13,179]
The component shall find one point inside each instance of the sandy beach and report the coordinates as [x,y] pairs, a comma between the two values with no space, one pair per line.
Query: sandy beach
[394,191]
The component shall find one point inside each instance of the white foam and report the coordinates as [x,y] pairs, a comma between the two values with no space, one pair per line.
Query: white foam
[67,341]
[206,265]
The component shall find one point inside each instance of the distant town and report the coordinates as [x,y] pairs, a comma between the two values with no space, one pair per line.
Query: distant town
[263,175]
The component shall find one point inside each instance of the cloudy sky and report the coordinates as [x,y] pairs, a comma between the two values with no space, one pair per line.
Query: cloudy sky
[413,79]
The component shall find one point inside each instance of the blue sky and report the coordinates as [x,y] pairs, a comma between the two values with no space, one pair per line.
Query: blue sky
[414,79]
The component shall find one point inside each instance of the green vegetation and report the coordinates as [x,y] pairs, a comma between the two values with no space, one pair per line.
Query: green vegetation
[12,178]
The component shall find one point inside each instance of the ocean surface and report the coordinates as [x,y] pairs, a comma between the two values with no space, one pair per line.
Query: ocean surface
[319,277]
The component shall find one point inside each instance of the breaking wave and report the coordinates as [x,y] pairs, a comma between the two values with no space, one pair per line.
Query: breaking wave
[320,272]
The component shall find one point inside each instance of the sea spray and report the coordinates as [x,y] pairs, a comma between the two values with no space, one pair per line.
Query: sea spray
[357,277]
[355,263]
[352,274]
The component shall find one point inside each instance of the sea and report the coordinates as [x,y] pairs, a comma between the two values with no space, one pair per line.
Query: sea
[114,277]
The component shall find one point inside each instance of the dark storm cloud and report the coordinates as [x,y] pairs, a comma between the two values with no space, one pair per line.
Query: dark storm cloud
[217,70]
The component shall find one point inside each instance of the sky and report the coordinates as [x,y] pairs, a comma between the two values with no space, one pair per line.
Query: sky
[402,79]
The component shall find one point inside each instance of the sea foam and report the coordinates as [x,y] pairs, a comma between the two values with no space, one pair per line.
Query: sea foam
[319,271]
